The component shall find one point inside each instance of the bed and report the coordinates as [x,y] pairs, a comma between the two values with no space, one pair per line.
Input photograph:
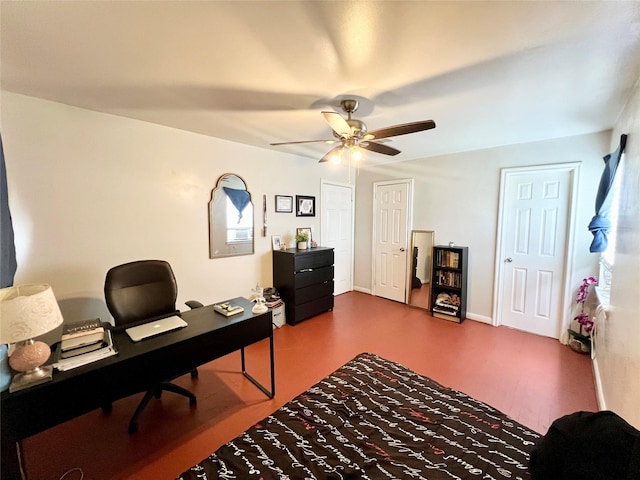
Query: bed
[375,419]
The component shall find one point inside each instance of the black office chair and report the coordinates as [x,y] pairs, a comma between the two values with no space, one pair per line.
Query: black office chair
[144,290]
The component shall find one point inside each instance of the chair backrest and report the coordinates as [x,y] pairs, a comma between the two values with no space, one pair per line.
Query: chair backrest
[140,290]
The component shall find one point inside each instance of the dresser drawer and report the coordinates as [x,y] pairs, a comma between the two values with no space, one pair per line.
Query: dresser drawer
[312,292]
[318,275]
[313,259]
[296,313]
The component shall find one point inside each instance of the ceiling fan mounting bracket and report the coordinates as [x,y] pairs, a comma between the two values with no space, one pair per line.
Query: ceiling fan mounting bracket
[349,105]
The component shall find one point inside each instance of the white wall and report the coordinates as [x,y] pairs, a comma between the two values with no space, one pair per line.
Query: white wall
[617,360]
[88,191]
[457,196]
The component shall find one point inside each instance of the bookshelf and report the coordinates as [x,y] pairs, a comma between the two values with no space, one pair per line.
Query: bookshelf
[449,287]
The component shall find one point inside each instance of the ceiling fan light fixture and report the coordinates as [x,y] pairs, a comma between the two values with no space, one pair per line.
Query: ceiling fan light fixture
[337,157]
[354,136]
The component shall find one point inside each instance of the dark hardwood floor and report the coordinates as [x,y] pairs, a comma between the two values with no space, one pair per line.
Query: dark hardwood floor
[533,379]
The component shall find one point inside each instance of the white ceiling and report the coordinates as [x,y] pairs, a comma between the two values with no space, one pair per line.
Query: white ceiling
[488,73]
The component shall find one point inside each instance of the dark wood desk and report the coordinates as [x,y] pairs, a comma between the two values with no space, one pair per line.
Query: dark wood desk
[136,368]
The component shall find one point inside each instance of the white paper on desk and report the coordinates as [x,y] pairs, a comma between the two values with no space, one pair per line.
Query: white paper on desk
[74,362]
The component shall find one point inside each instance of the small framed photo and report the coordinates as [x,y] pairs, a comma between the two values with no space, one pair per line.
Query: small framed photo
[305,206]
[276,242]
[306,230]
[284,204]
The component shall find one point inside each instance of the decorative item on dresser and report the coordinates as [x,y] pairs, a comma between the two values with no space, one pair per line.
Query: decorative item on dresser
[449,291]
[303,238]
[304,279]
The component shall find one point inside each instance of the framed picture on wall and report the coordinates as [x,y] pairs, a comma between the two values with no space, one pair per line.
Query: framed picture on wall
[305,206]
[284,204]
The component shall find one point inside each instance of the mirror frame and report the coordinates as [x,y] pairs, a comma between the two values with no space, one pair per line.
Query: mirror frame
[218,189]
[428,268]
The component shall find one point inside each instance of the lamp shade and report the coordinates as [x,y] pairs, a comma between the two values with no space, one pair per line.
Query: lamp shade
[27,311]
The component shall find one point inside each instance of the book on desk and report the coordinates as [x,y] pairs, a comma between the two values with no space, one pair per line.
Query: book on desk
[85,333]
[228,308]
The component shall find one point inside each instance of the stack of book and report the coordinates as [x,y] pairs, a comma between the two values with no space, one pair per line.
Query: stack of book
[83,342]
[273,301]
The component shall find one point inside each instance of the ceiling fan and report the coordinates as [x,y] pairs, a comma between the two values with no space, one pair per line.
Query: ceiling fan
[352,134]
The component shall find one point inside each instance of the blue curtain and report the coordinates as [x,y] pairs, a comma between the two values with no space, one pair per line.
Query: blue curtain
[600,223]
[239,198]
[8,262]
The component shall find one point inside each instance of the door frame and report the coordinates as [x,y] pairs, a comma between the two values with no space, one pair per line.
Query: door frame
[351,187]
[498,284]
[409,226]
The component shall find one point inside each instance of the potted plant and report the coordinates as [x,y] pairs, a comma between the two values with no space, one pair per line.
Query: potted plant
[581,338]
[301,239]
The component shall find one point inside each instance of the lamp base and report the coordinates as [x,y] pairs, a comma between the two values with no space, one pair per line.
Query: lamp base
[32,377]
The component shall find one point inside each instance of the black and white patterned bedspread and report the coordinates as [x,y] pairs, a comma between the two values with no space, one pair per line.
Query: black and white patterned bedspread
[375,419]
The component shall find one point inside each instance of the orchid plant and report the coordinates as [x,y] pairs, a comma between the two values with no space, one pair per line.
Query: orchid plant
[583,318]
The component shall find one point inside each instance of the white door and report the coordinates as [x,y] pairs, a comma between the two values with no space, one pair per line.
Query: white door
[535,227]
[336,225]
[391,213]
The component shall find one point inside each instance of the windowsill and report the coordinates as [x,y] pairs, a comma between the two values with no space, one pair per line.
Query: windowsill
[603,295]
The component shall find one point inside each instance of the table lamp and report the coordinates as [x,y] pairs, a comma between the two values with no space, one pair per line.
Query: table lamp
[26,312]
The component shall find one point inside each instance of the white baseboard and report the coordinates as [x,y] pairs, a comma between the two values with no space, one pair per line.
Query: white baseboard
[480,318]
[602,404]
[363,290]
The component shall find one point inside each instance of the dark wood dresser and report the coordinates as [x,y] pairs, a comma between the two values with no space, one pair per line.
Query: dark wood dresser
[304,279]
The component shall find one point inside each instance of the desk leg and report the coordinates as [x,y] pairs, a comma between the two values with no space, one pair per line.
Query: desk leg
[11,460]
[272,368]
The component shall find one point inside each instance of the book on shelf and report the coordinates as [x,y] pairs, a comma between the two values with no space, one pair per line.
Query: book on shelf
[105,351]
[228,308]
[445,316]
[448,258]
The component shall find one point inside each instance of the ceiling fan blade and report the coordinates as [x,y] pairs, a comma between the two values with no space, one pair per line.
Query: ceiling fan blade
[338,124]
[403,129]
[379,148]
[330,154]
[329,141]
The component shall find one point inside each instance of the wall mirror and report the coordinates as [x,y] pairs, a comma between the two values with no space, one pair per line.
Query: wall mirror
[419,282]
[230,218]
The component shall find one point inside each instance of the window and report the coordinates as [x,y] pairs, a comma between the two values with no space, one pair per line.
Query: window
[608,256]
[238,230]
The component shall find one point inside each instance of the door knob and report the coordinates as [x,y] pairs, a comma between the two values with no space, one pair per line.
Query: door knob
[402,249]
[509,260]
